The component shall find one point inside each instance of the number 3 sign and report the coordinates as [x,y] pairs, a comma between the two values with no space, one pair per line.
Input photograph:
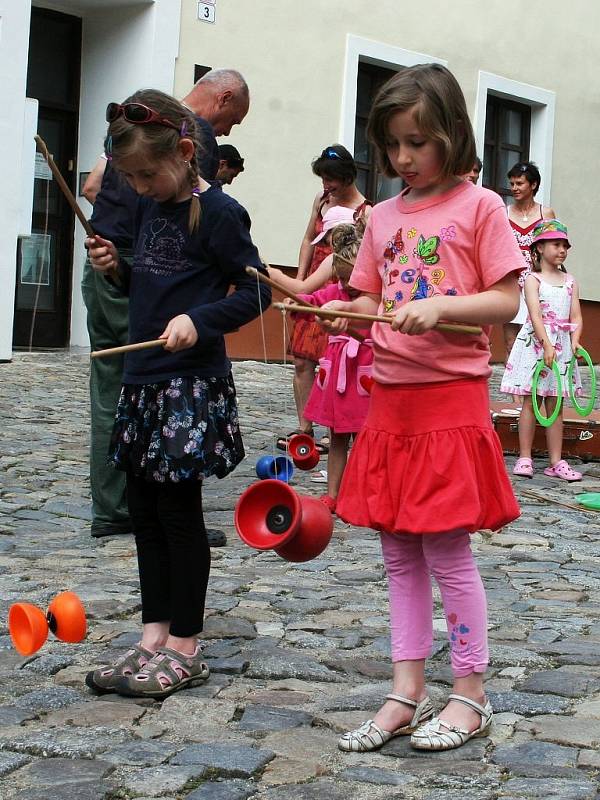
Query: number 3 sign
[206,12]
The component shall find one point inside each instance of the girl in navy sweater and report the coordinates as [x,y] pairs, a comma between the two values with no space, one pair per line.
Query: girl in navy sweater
[176,422]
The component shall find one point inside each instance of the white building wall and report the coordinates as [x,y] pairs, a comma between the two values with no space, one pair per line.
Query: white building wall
[126,46]
[295,57]
[14,38]
[144,42]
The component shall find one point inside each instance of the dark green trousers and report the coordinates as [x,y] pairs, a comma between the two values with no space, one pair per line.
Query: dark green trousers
[107,323]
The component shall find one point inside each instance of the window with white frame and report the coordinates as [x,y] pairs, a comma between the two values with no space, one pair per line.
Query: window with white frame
[370,181]
[507,129]
[369,64]
[514,121]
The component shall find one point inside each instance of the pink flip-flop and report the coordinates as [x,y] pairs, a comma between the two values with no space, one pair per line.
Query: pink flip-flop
[524,468]
[563,471]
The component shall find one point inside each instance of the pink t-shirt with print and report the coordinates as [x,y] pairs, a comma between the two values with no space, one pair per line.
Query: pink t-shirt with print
[456,243]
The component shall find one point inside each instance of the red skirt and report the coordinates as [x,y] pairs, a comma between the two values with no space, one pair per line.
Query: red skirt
[308,339]
[426,461]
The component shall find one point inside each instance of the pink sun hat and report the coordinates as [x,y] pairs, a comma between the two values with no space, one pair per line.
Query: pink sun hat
[336,215]
[550,229]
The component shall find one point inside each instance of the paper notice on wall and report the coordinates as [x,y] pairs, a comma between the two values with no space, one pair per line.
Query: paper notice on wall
[35,259]
[42,170]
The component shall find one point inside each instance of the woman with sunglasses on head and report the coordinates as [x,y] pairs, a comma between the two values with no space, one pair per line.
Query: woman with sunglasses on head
[176,421]
[523,215]
[337,170]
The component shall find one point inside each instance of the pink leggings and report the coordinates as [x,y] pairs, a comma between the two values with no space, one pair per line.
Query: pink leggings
[410,561]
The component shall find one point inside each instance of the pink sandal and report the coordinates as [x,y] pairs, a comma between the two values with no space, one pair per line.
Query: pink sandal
[524,468]
[563,471]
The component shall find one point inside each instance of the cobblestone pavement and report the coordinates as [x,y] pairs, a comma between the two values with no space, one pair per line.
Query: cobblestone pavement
[298,652]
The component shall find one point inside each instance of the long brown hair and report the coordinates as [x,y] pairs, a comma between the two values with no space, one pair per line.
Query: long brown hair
[536,258]
[440,114]
[160,142]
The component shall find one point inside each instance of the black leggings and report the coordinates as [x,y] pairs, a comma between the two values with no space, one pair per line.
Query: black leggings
[172,550]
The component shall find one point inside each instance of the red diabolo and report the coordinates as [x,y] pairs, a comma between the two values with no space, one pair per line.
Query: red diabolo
[303,452]
[270,515]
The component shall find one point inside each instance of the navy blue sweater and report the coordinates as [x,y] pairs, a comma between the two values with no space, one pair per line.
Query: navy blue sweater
[175,272]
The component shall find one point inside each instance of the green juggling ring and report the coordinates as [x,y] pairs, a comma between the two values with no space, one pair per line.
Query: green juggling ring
[546,421]
[589,500]
[582,410]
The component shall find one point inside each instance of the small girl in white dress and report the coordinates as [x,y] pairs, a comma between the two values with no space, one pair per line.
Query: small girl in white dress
[552,332]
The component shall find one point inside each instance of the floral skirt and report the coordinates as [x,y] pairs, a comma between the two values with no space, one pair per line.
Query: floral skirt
[181,429]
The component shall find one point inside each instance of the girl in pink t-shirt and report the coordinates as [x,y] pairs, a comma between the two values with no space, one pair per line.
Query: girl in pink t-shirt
[427,468]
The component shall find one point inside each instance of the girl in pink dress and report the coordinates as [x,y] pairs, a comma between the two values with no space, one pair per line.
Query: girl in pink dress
[337,170]
[339,398]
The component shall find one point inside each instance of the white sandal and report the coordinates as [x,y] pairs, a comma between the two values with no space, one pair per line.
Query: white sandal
[319,477]
[439,735]
[371,737]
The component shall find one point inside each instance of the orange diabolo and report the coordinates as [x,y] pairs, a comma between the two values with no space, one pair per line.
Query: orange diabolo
[28,625]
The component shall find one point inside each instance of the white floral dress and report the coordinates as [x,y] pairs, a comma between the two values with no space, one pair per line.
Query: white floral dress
[555,305]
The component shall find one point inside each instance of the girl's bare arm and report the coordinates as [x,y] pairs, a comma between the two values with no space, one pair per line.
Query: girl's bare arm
[363,304]
[497,304]
[532,298]
[319,277]
[576,317]
[306,248]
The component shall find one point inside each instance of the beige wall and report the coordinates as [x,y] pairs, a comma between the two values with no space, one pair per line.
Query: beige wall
[293,56]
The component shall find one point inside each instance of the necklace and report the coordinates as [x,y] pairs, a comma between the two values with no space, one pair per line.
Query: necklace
[525,214]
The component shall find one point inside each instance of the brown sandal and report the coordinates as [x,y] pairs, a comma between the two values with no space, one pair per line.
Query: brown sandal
[168,671]
[105,679]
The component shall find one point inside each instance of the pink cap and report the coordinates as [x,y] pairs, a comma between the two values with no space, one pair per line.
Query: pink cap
[336,215]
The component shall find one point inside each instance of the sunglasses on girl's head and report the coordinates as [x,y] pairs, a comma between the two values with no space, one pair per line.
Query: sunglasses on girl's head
[140,114]
[330,153]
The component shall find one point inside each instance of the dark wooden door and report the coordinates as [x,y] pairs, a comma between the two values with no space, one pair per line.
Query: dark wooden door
[45,259]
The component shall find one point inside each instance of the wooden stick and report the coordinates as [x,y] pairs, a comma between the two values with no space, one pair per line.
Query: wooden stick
[127,348]
[62,185]
[327,314]
[281,288]
[546,499]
